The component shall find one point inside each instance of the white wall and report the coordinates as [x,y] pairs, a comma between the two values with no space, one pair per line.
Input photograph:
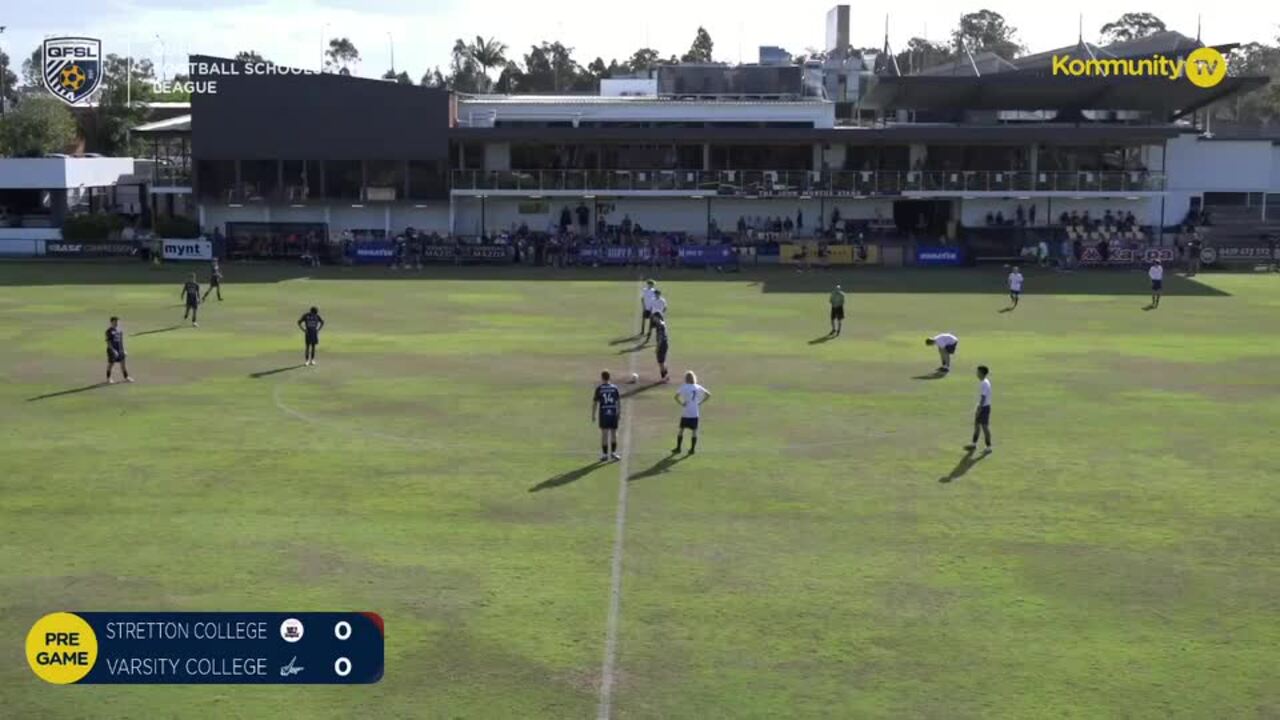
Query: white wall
[1220,165]
[479,111]
[1275,169]
[433,217]
[497,156]
[63,173]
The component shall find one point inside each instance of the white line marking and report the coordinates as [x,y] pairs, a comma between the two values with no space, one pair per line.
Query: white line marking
[615,568]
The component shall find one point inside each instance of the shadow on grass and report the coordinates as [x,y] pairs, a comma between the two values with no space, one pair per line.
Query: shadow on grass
[935,375]
[171,328]
[1007,309]
[632,349]
[825,338]
[967,461]
[568,477]
[72,391]
[642,388]
[265,373]
[624,340]
[662,466]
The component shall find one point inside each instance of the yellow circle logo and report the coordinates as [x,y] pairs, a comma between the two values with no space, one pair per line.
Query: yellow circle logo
[61,648]
[1205,67]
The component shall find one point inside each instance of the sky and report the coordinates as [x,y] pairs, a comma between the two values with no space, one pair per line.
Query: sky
[421,32]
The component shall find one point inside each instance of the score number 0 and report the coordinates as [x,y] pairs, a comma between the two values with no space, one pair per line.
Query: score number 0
[342,631]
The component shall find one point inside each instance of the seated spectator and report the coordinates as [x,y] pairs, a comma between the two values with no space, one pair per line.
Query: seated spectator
[991,218]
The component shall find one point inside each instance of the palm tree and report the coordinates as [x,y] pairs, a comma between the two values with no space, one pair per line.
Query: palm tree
[488,54]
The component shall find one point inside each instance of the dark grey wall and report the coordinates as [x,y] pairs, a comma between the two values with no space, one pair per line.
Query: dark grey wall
[316,117]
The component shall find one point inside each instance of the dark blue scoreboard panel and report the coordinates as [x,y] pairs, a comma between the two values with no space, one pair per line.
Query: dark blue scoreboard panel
[325,648]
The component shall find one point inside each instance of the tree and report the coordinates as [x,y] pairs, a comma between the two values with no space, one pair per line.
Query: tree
[550,68]
[8,81]
[700,50]
[465,74]
[987,31]
[40,124]
[488,54]
[921,54]
[433,78]
[1131,26]
[510,79]
[31,69]
[1261,106]
[643,60]
[401,77]
[125,87]
[340,56]
[253,56]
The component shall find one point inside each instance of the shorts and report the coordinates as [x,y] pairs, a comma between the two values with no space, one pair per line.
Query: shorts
[951,349]
[837,313]
[647,314]
[115,356]
[609,422]
[662,354]
[1157,285]
[688,423]
[193,303]
[1015,293]
[313,337]
[983,416]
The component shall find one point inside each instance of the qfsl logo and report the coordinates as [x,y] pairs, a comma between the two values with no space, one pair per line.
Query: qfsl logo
[72,67]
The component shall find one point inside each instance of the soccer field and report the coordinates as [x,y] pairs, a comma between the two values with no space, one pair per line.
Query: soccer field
[830,552]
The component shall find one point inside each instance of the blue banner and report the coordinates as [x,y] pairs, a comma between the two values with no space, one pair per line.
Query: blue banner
[257,648]
[938,255]
[372,253]
[613,254]
[701,255]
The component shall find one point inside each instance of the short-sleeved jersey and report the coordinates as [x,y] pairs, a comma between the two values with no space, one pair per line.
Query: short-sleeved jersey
[646,297]
[945,340]
[984,393]
[215,272]
[609,398]
[691,396]
[1156,272]
[662,334]
[1015,281]
[115,339]
[311,322]
[658,305]
[191,289]
[837,298]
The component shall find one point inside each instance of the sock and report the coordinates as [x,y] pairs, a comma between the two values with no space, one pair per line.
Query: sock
[604,449]
[693,443]
[679,441]
[615,446]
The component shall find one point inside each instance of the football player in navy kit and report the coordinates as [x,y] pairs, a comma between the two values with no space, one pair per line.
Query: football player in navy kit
[191,291]
[311,324]
[115,350]
[607,400]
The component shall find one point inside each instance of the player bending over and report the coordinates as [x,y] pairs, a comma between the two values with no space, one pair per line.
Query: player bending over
[311,324]
[837,311]
[982,415]
[115,350]
[1156,273]
[191,291]
[1015,286]
[609,401]
[690,397]
[657,310]
[646,307]
[946,344]
[215,281]
[663,344]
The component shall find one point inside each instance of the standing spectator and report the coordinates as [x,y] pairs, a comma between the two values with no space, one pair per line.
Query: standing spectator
[584,218]
[1031,214]
[1193,255]
[800,220]
[566,219]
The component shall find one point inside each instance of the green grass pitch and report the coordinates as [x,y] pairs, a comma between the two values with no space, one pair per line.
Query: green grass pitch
[828,553]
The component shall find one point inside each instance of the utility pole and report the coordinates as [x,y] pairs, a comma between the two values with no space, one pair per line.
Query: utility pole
[4,100]
[392,43]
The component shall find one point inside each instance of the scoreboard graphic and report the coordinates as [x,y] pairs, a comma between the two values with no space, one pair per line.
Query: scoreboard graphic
[305,648]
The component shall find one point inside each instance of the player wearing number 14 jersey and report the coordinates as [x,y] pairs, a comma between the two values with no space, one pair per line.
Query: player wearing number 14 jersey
[606,404]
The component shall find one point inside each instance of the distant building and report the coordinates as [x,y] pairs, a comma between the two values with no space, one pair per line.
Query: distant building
[773,55]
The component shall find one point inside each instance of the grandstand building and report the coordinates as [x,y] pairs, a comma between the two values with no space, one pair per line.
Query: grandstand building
[985,150]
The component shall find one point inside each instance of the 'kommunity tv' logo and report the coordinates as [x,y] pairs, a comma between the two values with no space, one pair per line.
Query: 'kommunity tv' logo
[1204,67]
[72,67]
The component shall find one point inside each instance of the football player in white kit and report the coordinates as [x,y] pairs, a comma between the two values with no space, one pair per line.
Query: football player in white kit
[946,344]
[690,397]
[1015,287]
[1156,273]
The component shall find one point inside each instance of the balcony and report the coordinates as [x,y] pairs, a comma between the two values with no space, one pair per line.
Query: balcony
[795,183]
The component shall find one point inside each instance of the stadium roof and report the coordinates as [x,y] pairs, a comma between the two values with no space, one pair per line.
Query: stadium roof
[178,124]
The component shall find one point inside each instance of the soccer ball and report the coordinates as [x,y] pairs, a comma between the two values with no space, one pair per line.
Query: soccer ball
[635,377]
[73,78]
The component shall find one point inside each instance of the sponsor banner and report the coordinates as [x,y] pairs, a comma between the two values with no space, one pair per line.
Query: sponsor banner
[21,248]
[938,255]
[1129,256]
[486,253]
[187,249]
[63,248]
[853,255]
[614,254]
[1238,253]
[372,253]
[700,255]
